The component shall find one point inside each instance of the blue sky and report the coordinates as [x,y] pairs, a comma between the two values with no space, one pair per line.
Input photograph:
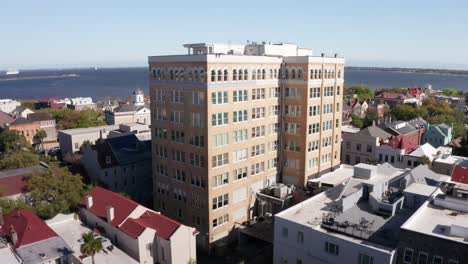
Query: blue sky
[47,33]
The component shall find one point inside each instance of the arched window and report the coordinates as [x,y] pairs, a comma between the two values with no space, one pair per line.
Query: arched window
[311,74]
[220,75]
[293,74]
[202,75]
[182,74]
[259,74]
[234,75]
[171,74]
[271,74]
[299,73]
[225,75]
[213,75]
[263,74]
[246,74]
[239,76]
[254,74]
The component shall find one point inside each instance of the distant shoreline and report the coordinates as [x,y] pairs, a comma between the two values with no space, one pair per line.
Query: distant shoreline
[408,70]
[40,77]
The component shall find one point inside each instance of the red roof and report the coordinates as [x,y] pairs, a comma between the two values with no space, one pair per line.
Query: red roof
[415,91]
[401,142]
[103,198]
[460,174]
[5,119]
[386,95]
[12,185]
[29,227]
[163,225]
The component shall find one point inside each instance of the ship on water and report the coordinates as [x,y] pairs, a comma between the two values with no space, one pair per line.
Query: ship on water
[12,72]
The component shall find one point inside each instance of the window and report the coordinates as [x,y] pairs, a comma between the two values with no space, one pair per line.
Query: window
[452,261]
[178,155]
[240,135]
[108,159]
[177,117]
[219,119]
[408,256]
[314,110]
[220,179]
[273,128]
[177,136]
[196,120]
[337,107]
[327,108]
[291,145]
[179,175]
[220,220]
[423,257]
[437,260]
[327,125]
[160,114]
[293,93]
[220,201]
[225,76]
[284,232]
[258,150]
[300,237]
[326,142]
[197,160]
[257,168]
[313,145]
[258,131]
[312,163]
[240,155]
[365,259]
[258,94]
[273,110]
[177,97]
[198,98]
[220,160]
[328,91]
[258,112]
[234,75]
[240,96]
[240,116]
[213,75]
[219,97]
[272,163]
[291,128]
[274,92]
[292,110]
[314,92]
[331,248]
[314,128]
[220,139]
[358,147]
[273,145]
[240,173]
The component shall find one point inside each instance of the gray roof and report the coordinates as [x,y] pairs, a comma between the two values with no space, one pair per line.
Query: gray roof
[129,108]
[418,122]
[422,174]
[128,149]
[21,121]
[52,248]
[374,131]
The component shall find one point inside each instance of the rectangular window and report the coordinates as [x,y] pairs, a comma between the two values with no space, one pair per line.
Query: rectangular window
[273,128]
[258,150]
[313,145]
[220,220]
[240,135]
[292,110]
[273,145]
[178,155]
[314,92]
[219,119]
[196,120]
[291,128]
[327,108]
[198,98]
[177,136]
[328,91]
[239,155]
[314,110]
[314,128]
[258,131]
[437,260]
[220,139]
[300,237]
[284,232]
[273,110]
[177,96]
[240,96]
[274,92]
[423,257]
[312,163]
[220,179]
[177,117]
[257,168]
[219,97]
[220,160]
[258,112]
[220,201]
[332,249]
[327,125]
[258,94]
[197,160]
[240,116]
[365,259]
[293,93]
[408,256]
[240,173]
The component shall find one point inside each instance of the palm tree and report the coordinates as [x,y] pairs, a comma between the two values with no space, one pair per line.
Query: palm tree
[91,245]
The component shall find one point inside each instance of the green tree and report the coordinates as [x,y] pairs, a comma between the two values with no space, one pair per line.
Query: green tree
[10,141]
[19,159]
[363,93]
[452,92]
[191,261]
[54,191]
[9,205]
[357,121]
[69,118]
[91,245]
[424,160]
[369,119]
[40,135]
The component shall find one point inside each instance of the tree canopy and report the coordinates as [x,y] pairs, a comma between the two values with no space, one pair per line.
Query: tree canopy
[91,245]
[69,118]
[452,92]
[363,93]
[19,159]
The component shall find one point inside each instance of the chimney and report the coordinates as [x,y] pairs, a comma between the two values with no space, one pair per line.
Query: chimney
[2,221]
[13,235]
[89,201]
[110,213]
[336,55]
[323,54]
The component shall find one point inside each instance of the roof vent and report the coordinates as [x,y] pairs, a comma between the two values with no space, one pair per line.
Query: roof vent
[110,213]
[42,255]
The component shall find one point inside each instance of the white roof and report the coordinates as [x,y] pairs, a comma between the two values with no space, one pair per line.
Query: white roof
[436,221]
[450,159]
[70,230]
[350,129]
[424,150]
[7,255]
[87,130]
[337,176]
[421,189]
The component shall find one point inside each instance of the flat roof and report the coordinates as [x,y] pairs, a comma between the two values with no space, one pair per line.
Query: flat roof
[450,159]
[337,176]
[436,221]
[421,189]
[70,230]
[53,248]
[350,129]
[7,255]
[87,130]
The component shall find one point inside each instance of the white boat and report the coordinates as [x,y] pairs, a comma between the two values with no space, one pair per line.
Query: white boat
[12,72]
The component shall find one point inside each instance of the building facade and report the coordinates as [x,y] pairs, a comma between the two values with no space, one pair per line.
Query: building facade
[437,135]
[228,120]
[135,112]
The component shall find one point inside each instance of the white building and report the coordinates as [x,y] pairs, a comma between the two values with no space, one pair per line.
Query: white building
[357,221]
[145,235]
[71,140]
[80,103]
[8,105]
[135,112]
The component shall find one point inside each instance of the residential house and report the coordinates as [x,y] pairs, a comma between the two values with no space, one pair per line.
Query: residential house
[392,99]
[417,93]
[135,112]
[8,105]
[80,103]
[460,171]
[437,135]
[71,140]
[445,163]
[411,130]
[361,146]
[26,128]
[46,123]
[32,240]
[13,183]
[360,109]
[379,109]
[22,111]
[438,231]
[145,235]
[394,150]
[123,165]
[346,114]
[357,221]
[5,120]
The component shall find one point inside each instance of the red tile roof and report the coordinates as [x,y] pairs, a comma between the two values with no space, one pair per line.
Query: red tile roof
[402,142]
[29,227]
[460,174]
[103,198]
[163,225]
[12,185]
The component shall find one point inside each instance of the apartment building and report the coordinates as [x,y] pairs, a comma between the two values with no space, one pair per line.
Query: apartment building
[228,120]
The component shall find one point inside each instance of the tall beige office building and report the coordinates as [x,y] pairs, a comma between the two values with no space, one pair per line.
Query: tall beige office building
[228,120]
